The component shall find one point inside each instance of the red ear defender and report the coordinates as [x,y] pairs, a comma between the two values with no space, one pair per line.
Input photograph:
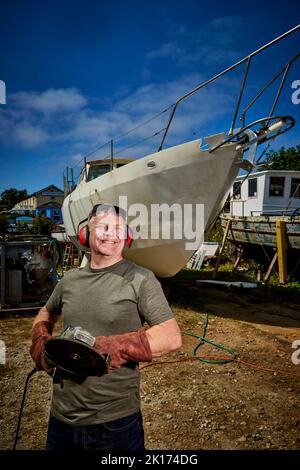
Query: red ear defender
[83,236]
[129,238]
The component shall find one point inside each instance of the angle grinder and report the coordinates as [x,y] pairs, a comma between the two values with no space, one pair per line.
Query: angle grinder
[73,353]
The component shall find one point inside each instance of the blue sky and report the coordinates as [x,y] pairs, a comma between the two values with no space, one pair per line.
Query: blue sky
[79,73]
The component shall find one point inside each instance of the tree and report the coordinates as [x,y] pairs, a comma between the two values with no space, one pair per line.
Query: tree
[11,196]
[285,159]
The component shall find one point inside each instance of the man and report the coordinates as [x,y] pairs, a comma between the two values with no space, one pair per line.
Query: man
[111,298]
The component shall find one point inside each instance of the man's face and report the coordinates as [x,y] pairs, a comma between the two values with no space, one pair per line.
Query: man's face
[107,232]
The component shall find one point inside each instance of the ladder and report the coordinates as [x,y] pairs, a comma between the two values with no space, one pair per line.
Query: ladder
[71,257]
[67,257]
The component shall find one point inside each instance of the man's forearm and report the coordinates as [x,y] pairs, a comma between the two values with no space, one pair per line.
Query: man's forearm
[45,315]
[141,345]
[41,331]
[164,338]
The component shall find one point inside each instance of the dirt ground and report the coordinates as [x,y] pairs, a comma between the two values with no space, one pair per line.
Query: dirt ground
[250,403]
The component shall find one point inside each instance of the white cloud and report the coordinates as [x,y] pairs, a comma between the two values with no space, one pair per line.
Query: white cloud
[170,49]
[50,101]
[212,43]
[34,119]
[29,136]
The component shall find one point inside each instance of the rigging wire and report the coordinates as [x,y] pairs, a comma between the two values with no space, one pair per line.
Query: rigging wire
[140,142]
[143,123]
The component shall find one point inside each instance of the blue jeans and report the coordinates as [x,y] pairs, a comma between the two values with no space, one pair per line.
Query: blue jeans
[124,433]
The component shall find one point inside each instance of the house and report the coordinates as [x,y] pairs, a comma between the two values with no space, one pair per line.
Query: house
[265,193]
[47,201]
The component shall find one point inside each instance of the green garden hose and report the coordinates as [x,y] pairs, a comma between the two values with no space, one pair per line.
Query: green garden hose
[219,346]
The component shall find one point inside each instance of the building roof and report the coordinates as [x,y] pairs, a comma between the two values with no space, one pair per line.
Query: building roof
[50,187]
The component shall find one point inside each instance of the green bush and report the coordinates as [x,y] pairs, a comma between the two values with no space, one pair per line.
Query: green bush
[41,225]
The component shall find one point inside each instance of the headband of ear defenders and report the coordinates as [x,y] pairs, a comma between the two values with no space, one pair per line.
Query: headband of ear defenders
[83,233]
[99,208]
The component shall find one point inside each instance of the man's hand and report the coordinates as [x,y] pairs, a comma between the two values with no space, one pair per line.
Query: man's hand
[40,333]
[125,347]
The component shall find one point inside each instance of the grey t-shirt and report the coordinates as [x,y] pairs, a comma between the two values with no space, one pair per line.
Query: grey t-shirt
[113,300]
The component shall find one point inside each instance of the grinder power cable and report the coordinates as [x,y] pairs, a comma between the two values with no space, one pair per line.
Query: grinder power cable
[73,353]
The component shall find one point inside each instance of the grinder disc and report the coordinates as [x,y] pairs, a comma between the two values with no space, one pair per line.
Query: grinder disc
[75,357]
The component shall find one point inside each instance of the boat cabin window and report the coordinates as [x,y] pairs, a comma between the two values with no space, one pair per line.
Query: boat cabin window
[276,187]
[295,187]
[236,190]
[252,187]
[96,171]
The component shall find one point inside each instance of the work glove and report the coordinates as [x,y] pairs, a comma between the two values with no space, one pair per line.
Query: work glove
[125,347]
[40,333]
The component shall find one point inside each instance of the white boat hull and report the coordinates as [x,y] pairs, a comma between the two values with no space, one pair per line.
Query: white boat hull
[184,174]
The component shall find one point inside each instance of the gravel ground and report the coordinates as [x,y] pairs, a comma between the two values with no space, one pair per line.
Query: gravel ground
[251,403]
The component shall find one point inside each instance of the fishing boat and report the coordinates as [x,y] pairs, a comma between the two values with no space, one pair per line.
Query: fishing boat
[258,202]
[194,173]
[261,230]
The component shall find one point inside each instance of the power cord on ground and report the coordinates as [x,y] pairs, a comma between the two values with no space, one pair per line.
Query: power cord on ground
[33,371]
[216,360]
